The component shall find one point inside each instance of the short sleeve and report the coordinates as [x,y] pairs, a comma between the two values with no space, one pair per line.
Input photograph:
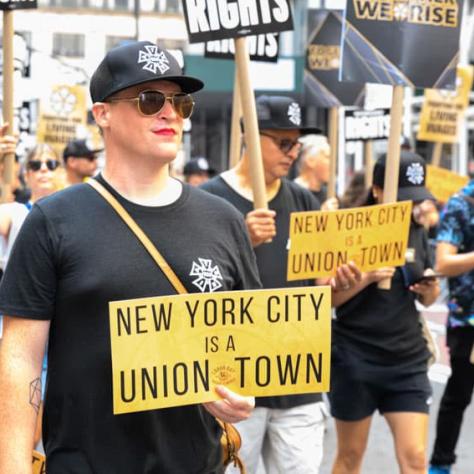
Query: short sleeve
[452,222]
[28,286]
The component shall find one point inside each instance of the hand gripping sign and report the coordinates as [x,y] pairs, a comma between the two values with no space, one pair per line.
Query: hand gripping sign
[173,350]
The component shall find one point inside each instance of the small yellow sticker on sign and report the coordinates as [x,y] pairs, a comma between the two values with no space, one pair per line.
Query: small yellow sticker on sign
[443,183]
[173,350]
[371,236]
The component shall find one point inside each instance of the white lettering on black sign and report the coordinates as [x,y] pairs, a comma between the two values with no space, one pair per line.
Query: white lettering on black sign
[261,48]
[17,4]
[367,125]
[209,20]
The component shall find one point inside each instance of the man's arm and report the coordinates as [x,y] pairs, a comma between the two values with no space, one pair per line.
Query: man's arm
[21,355]
[450,263]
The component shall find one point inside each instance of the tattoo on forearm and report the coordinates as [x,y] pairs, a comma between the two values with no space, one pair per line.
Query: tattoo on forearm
[35,394]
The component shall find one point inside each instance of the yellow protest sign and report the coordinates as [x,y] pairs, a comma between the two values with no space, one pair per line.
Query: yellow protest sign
[39,463]
[62,111]
[372,236]
[443,183]
[173,350]
[443,111]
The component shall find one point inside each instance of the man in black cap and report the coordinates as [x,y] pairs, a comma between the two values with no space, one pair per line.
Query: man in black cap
[289,428]
[80,161]
[197,171]
[80,255]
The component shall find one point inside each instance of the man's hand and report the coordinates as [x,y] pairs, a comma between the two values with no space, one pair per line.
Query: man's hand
[347,277]
[232,408]
[261,226]
[331,204]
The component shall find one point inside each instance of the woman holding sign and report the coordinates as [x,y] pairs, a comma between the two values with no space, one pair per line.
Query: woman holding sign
[379,354]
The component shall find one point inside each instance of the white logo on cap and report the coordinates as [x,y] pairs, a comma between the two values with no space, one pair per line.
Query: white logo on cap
[415,173]
[154,59]
[294,113]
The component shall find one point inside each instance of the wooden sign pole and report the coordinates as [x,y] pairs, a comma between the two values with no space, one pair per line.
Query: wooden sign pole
[252,137]
[333,135]
[437,152]
[392,165]
[235,131]
[9,160]
[368,157]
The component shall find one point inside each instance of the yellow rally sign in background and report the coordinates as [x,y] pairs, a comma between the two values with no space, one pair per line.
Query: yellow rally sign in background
[443,183]
[443,111]
[172,350]
[372,236]
[61,113]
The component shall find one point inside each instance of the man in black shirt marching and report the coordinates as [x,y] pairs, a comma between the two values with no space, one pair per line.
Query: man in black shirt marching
[74,255]
[287,430]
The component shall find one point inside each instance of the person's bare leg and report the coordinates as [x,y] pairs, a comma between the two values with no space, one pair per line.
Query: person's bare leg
[352,439]
[410,433]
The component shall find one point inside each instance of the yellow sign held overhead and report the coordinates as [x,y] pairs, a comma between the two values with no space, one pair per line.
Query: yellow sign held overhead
[61,113]
[173,350]
[443,111]
[443,183]
[372,236]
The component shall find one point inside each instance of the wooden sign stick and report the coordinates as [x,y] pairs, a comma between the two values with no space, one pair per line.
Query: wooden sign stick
[333,136]
[235,131]
[437,152]
[392,165]
[9,160]
[252,137]
[368,158]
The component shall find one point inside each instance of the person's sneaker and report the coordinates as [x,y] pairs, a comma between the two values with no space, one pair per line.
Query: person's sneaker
[439,470]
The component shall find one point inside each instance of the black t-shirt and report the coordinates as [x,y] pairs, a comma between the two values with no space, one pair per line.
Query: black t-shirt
[80,255]
[382,326]
[272,257]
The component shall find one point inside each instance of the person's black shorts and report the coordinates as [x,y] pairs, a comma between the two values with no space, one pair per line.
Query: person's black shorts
[359,388]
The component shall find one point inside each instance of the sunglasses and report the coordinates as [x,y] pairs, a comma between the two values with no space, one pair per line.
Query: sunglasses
[151,102]
[284,144]
[35,165]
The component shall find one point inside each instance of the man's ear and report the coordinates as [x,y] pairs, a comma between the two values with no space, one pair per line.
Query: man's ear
[101,113]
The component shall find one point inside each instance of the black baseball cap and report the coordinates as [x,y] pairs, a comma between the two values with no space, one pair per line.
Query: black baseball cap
[80,149]
[196,166]
[411,178]
[281,113]
[134,63]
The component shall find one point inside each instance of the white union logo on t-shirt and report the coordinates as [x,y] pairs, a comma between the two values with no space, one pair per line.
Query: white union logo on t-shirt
[208,276]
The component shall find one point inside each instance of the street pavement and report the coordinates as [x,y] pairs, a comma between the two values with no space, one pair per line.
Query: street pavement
[380,456]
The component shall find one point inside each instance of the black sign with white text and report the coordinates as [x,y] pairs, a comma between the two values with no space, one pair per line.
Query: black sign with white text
[210,20]
[366,124]
[17,4]
[262,48]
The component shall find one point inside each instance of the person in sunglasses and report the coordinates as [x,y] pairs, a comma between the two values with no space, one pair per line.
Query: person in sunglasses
[80,161]
[287,431]
[41,166]
[80,255]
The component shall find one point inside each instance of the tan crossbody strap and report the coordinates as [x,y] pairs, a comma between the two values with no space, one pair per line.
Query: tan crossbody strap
[142,237]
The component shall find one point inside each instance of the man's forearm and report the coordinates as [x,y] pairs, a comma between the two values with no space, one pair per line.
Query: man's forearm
[20,398]
[454,265]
